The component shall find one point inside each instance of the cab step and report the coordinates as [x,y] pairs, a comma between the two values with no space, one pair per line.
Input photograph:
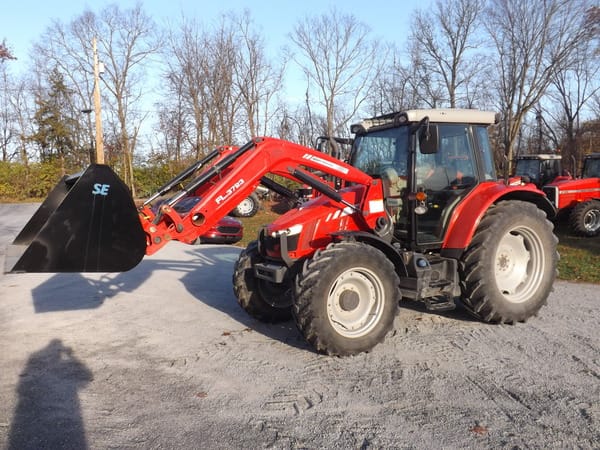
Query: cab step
[440,303]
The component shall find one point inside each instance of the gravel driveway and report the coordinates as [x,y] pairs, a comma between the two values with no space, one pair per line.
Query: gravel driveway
[163,357]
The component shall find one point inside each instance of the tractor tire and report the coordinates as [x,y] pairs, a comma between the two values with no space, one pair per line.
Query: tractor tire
[346,298]
[585,218]
[247,207]
[263,300]
[508,270]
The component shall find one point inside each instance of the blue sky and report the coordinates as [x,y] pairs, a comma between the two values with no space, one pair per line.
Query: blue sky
[23,21]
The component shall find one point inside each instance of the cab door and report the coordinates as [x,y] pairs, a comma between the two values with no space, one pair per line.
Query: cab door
[445,177]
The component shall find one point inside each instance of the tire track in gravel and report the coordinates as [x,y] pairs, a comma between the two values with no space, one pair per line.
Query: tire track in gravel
[369,380]
[195,369]
[331,388]
[525,385]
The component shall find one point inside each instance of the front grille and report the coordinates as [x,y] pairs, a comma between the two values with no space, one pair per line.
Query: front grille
[270,244]
[552,194]
[228,230]
[273,245]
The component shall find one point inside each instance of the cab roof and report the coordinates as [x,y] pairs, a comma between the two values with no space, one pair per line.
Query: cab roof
[439,115]
[540,156]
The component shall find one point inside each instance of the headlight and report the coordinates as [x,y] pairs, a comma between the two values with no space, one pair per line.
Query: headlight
[295,229]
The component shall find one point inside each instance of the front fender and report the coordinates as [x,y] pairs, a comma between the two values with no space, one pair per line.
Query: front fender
[466,216]
[379,244]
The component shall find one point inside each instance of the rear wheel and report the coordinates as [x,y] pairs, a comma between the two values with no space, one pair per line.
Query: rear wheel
[585,218]
[346,298]
[247,207]
[263,300]
[508,270]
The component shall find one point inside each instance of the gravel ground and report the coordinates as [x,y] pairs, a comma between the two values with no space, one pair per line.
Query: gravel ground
[163,357]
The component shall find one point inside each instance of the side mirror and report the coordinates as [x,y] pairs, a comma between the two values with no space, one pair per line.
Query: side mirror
[428,138]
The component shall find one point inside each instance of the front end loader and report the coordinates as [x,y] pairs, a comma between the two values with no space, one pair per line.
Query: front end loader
[88,223]
[416,213]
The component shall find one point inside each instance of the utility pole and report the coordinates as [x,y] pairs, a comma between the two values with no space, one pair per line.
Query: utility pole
[538,117]
[97,108]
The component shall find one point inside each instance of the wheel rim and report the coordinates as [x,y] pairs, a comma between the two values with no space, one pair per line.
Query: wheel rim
[591,220]
[355,302]
[245,206]
[519,264]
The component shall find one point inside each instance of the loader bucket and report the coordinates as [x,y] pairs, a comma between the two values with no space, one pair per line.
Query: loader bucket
[88,223]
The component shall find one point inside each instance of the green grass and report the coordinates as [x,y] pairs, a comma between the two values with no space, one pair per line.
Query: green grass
[268,213]
[579,256]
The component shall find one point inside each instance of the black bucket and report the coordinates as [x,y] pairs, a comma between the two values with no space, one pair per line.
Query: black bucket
[88,223]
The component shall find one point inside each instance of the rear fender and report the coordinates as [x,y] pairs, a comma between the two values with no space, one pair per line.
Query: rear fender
[466,216]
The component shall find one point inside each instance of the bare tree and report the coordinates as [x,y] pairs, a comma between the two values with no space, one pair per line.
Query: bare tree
[66,48]
[7,130]
[593,21]
[221,81]
[443,44]
[257,80]
[172,127]
[184,85]
[126,40]
[393,88]
[23,108]
[5,53]
[218,76]
[427,92]
[297,125]
[339,61]
[532,40]
[202,70]
[571,89]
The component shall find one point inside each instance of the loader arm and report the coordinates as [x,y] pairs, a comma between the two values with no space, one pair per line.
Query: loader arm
[235,174]
[89,222]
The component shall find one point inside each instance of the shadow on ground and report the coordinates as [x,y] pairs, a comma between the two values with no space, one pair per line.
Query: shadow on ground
[207,275]
[48,413]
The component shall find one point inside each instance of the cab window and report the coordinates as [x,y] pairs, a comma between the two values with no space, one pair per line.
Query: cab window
[379,151]
[452,166]
[489,171]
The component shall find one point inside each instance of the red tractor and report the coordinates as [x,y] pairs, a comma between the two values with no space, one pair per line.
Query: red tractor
[579,198]
[541,169]
[416,213]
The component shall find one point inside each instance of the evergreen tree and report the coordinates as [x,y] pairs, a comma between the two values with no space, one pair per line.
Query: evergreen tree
[57,130]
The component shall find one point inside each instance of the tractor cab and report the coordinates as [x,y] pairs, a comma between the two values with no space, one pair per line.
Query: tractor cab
[591,166]
[539,169]
[428,164]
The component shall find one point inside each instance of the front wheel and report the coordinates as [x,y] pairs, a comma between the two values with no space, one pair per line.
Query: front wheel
[508,270]
[585,218]
[346,298]
[263,300]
